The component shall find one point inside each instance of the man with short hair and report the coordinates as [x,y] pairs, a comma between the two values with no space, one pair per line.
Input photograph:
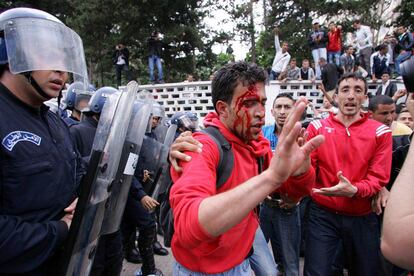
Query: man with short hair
[330,75]
[387,87]
[363,43]
[379,62]
[317,42]
[348,60]
[209,223]
[382,109]
[279,216]
[292,72]
[282,57]
[404,47]
[306,72]
[405,117]
[352,166]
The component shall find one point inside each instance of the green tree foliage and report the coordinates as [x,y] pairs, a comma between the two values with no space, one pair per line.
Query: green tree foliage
[104,23]
[406,10]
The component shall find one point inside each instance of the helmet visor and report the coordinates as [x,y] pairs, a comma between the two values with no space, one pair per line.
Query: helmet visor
[38,44]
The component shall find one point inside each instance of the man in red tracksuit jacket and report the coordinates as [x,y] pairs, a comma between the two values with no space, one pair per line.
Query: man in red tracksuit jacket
[214,230]
[351,167]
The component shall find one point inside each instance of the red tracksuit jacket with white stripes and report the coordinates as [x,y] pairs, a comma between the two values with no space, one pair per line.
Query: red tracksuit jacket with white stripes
[362,151]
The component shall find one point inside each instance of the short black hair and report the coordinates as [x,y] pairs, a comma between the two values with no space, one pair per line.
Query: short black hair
[347,47]
[381,47]
[283,95]
[386,71]
[232,74]
[351,76]
[374,102]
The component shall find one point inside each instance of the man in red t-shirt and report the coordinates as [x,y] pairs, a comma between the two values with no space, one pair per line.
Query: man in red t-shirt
[334,43]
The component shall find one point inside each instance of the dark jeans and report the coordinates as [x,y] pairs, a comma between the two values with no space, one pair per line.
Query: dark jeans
[282,227]
[359,235]
[135,216]
[364,58]
[274,75]
[118,71]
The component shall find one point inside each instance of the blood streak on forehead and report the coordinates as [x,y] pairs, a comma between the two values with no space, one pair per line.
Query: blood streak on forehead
[251,94]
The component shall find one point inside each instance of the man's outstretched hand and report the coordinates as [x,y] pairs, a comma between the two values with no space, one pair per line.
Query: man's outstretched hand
[343,188]
[292,152]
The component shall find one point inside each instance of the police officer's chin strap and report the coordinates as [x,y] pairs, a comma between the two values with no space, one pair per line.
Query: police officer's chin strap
[35,85]
[40,91]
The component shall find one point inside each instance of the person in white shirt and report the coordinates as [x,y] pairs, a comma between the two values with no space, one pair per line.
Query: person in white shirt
[363,43]
[281,59]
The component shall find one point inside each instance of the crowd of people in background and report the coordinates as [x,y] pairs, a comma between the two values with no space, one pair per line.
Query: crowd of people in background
[359,56]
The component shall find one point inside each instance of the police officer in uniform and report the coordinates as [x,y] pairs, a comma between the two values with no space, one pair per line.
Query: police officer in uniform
[76,100]
[40,168]
[137,215]
[109,255]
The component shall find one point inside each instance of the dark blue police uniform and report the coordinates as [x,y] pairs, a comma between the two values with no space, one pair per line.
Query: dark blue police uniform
[39,175]
[70,121]
[83,135]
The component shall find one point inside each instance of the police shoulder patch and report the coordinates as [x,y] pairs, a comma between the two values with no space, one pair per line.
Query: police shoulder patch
[15,137]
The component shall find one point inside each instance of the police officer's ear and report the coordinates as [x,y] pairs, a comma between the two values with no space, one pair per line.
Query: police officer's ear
[222,109]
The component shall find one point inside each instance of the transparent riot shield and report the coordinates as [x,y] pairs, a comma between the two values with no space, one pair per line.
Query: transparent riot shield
[120,187]
[164,178]
[150,163]
[160,132]
[84,232]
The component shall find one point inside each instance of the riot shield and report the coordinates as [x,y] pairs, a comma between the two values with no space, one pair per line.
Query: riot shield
[150,163]
[119,189]
[86,226]
[160,132]
[164,178]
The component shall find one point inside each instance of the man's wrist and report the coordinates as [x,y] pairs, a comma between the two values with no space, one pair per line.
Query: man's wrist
[272,179]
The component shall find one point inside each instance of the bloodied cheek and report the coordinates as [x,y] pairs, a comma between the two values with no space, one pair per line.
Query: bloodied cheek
[244,109]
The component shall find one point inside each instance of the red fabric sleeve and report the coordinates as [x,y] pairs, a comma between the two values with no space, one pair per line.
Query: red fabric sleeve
[379,169]
[297,187]
[196,182]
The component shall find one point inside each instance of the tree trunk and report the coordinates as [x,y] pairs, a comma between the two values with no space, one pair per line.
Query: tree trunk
[251,29]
